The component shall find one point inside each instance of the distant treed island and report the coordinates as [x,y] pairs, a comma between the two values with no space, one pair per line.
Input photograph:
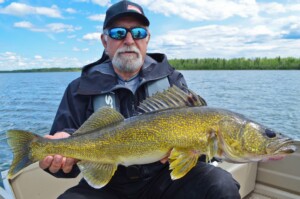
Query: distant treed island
[278,63]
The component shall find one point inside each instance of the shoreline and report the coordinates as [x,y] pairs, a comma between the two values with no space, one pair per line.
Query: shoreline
[259,63]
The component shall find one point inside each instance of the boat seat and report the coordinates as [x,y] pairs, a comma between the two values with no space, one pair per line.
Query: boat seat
[34,183]
[244,173]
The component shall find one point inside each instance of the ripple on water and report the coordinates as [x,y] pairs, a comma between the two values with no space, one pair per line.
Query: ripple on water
[29,101]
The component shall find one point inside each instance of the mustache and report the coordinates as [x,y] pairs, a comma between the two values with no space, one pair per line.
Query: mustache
[128,49]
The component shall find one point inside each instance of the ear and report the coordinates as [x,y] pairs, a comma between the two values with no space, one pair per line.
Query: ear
[148,38]
[104,40]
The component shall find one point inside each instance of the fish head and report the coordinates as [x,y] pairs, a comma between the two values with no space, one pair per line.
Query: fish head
[262,143]
[247,141]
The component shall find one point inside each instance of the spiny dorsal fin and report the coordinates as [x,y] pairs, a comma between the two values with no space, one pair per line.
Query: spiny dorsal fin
[100,119]
[173,97]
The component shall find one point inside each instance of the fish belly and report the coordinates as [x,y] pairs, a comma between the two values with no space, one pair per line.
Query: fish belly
[144,158]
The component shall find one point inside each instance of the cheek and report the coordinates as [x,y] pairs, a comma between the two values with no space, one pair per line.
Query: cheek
[142,46]
[111,50]
[112,46]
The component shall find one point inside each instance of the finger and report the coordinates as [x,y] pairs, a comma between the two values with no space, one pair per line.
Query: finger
[46,162]
[48,136]
[164,160]
[58,135]
[275,158]
[56,164]
[68,165]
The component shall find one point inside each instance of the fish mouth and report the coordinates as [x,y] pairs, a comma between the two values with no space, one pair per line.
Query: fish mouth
[282,146]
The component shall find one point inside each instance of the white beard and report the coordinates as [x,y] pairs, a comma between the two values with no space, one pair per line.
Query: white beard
[127,64]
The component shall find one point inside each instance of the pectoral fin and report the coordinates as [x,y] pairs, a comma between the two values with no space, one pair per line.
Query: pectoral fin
[182,161]
[212,144]
[97,174]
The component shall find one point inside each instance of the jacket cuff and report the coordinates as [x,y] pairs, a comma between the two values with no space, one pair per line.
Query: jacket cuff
[69,130]
[60,174]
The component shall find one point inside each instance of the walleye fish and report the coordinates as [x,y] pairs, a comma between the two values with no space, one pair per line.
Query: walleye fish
[170,121]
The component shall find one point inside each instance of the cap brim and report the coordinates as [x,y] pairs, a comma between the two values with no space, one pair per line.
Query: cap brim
[136,15]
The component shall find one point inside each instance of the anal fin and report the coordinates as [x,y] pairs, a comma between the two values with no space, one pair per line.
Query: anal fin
[182,161]
[97,174]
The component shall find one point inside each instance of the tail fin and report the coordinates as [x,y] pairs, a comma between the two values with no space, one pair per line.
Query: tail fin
[20,141]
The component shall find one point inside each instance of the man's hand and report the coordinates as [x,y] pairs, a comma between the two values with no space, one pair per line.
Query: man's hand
[57,162]
[274,158]
[165,159]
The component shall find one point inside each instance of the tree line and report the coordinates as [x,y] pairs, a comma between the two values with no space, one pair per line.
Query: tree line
[278,63]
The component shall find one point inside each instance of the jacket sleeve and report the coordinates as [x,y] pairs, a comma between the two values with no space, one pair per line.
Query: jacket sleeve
[177,79]
[73,110]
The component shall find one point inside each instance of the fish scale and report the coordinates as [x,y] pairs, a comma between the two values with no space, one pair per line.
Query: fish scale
[171,122]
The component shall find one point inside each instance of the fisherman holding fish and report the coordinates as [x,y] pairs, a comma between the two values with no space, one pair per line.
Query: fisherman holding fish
[122,78]
[150,155]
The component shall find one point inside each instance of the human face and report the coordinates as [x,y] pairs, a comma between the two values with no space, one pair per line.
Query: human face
[127,55]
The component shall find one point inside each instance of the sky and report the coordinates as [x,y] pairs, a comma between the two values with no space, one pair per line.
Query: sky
[45,34]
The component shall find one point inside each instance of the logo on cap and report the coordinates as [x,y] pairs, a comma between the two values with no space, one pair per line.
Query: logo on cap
[132,7]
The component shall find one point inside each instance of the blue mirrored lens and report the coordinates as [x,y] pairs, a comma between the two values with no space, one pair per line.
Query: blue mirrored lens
[117,33]
[120,33]
[139,33]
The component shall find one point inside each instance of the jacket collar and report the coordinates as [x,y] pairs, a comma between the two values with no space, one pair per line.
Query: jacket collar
[99,77]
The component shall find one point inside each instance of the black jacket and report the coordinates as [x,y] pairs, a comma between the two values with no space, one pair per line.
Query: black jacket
[77,103]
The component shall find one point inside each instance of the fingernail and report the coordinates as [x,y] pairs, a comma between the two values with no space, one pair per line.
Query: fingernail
[49,159]
[57,159]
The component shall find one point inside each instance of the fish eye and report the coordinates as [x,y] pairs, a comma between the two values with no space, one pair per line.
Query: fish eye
[270,133]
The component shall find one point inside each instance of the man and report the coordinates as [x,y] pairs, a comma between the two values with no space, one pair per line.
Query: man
[122,78]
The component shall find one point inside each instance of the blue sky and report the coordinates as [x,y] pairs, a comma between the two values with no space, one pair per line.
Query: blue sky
[43,34]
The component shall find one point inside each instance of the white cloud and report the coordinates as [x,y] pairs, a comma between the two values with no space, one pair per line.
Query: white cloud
[83,1]
[14,61]
[223,41]
[277,8]
[98,2]
[98,17]
[76,49]
[80,50]
[20,9]
[294,7]
[60,27]
[71,36]
[1,1]
[38,57]
[101,2]
[272,8]
[10,60]
[29,26]
[92,36]
[71,10]
[265,29]
[52,27]
[23,24]
[203,10]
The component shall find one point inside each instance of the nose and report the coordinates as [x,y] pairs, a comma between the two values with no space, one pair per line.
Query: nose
[128,40]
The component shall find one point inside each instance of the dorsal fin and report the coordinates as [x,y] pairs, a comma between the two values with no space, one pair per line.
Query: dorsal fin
[173,97]
[102,118]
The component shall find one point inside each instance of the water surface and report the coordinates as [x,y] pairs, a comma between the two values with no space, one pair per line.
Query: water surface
[29,101]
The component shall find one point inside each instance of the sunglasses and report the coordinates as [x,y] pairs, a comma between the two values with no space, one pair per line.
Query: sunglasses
[120,33]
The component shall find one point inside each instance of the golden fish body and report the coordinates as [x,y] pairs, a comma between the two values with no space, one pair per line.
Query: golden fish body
[187,129]
[138,140]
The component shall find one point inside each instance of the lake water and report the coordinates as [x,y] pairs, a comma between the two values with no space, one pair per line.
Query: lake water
[29,101]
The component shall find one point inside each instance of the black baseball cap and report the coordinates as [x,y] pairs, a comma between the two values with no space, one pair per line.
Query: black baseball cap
[122,9]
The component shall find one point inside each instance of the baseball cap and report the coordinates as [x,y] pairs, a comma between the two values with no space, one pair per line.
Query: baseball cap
[122,9]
